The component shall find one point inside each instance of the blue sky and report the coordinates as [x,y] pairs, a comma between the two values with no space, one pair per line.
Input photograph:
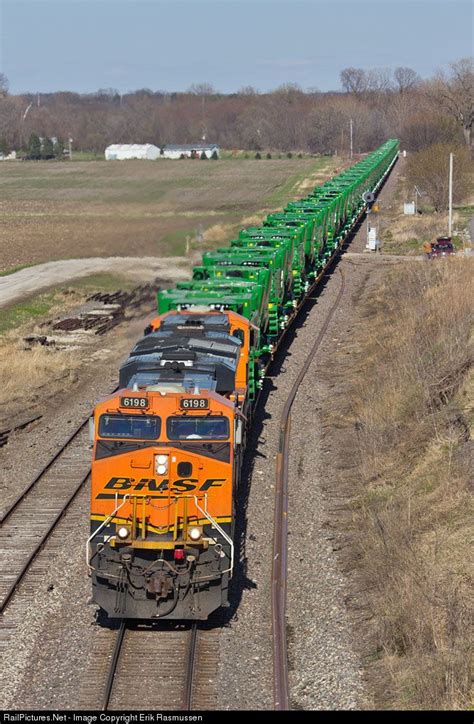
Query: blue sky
[83,45]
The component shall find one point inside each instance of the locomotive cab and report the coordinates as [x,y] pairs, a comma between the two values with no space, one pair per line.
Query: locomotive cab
[162,503]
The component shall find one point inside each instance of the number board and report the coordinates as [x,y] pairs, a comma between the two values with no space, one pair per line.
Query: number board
[134,403]
[194,403]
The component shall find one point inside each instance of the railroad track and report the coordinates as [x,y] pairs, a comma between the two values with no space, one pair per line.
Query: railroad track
[30,519]
[280,530]
[172,667]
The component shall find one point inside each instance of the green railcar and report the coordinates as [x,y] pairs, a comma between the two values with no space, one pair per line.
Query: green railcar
[234,286]
[265,273]
[272,259]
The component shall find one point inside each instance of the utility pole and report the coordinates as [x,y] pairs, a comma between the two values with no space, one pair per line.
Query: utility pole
[450,214]
[350,126]
[70,149]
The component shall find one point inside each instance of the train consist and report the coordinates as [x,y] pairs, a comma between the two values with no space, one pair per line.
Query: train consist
[168,446]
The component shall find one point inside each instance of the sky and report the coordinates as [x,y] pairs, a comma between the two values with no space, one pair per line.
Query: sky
[84,45]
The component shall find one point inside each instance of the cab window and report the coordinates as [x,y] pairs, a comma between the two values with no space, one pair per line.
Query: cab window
[198,428]
[141,427]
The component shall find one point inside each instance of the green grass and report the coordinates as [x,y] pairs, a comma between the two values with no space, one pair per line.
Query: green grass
[101,283]
[465,214]
[18,314]
[176,241]
[14,269]
[86,156]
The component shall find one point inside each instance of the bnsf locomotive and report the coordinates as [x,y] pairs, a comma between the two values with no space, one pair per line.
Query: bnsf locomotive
[168,446]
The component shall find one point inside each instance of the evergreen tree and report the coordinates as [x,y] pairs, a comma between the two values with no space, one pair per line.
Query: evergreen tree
[269,155]
[59,149]
[203,156]
[258,155]
[47,149]
[34,147]
[214,156]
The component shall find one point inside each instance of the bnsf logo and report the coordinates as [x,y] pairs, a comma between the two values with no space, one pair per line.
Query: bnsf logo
[182,485]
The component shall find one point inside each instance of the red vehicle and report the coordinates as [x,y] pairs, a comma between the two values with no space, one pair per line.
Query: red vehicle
[443,246]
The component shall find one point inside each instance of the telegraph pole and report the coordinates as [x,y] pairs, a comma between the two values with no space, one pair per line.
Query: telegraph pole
[450,214]
[350,126]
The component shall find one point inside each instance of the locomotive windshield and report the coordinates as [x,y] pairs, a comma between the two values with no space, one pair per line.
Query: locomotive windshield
[198,428]
[141,427]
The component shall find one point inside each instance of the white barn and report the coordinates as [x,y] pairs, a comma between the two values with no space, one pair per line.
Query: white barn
[124,151]
[189,150]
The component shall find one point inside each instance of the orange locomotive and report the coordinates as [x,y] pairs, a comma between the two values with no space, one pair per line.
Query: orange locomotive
[167,455]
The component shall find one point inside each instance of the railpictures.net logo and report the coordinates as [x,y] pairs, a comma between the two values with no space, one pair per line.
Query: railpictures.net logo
[66,717]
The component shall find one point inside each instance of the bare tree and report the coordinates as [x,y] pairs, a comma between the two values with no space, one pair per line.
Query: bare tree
[379,80]
[4,84]
[456,94]
[248,90]
[406,79]
[428,169]
[354,80]
[202,89]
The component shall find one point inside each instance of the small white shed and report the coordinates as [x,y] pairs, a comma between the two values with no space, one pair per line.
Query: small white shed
[189,150]
[124,151]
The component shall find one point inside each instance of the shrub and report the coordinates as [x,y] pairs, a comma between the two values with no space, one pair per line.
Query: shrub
[269,155]
[203,156]
[258,155]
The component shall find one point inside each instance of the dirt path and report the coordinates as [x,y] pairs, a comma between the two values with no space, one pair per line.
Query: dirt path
[20,284]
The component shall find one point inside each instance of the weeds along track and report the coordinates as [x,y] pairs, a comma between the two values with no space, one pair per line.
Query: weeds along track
[280,530]
[182,676]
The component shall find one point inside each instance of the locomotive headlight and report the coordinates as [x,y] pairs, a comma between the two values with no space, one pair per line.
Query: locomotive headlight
[123,532]
[195,533]
[161,464]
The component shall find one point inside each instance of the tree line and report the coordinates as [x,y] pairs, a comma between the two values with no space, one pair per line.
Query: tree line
[380,103]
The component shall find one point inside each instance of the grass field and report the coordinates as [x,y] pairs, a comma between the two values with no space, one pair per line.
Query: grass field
[53,210]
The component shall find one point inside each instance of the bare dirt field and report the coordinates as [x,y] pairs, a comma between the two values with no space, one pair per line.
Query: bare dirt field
[52,210]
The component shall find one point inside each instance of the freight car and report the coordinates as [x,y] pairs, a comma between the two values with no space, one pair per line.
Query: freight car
[168,446]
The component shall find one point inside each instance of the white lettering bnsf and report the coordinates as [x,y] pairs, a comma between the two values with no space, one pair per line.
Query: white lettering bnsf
[182,485]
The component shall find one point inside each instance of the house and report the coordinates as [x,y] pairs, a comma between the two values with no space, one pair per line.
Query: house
[189,150]
[124,151]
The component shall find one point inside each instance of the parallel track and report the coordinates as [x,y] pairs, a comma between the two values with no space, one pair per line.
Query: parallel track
[280,531]
[33,516]
[171,668]
[30,519]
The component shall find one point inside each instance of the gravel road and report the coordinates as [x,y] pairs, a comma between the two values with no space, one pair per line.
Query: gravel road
[31,280]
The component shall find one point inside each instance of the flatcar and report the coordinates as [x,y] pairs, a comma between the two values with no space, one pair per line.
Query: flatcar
[168,445]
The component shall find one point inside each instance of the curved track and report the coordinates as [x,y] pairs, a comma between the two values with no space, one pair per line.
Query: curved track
[280,531]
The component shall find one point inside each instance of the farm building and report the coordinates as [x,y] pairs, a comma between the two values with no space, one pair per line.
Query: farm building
[123,151]
[189,150]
